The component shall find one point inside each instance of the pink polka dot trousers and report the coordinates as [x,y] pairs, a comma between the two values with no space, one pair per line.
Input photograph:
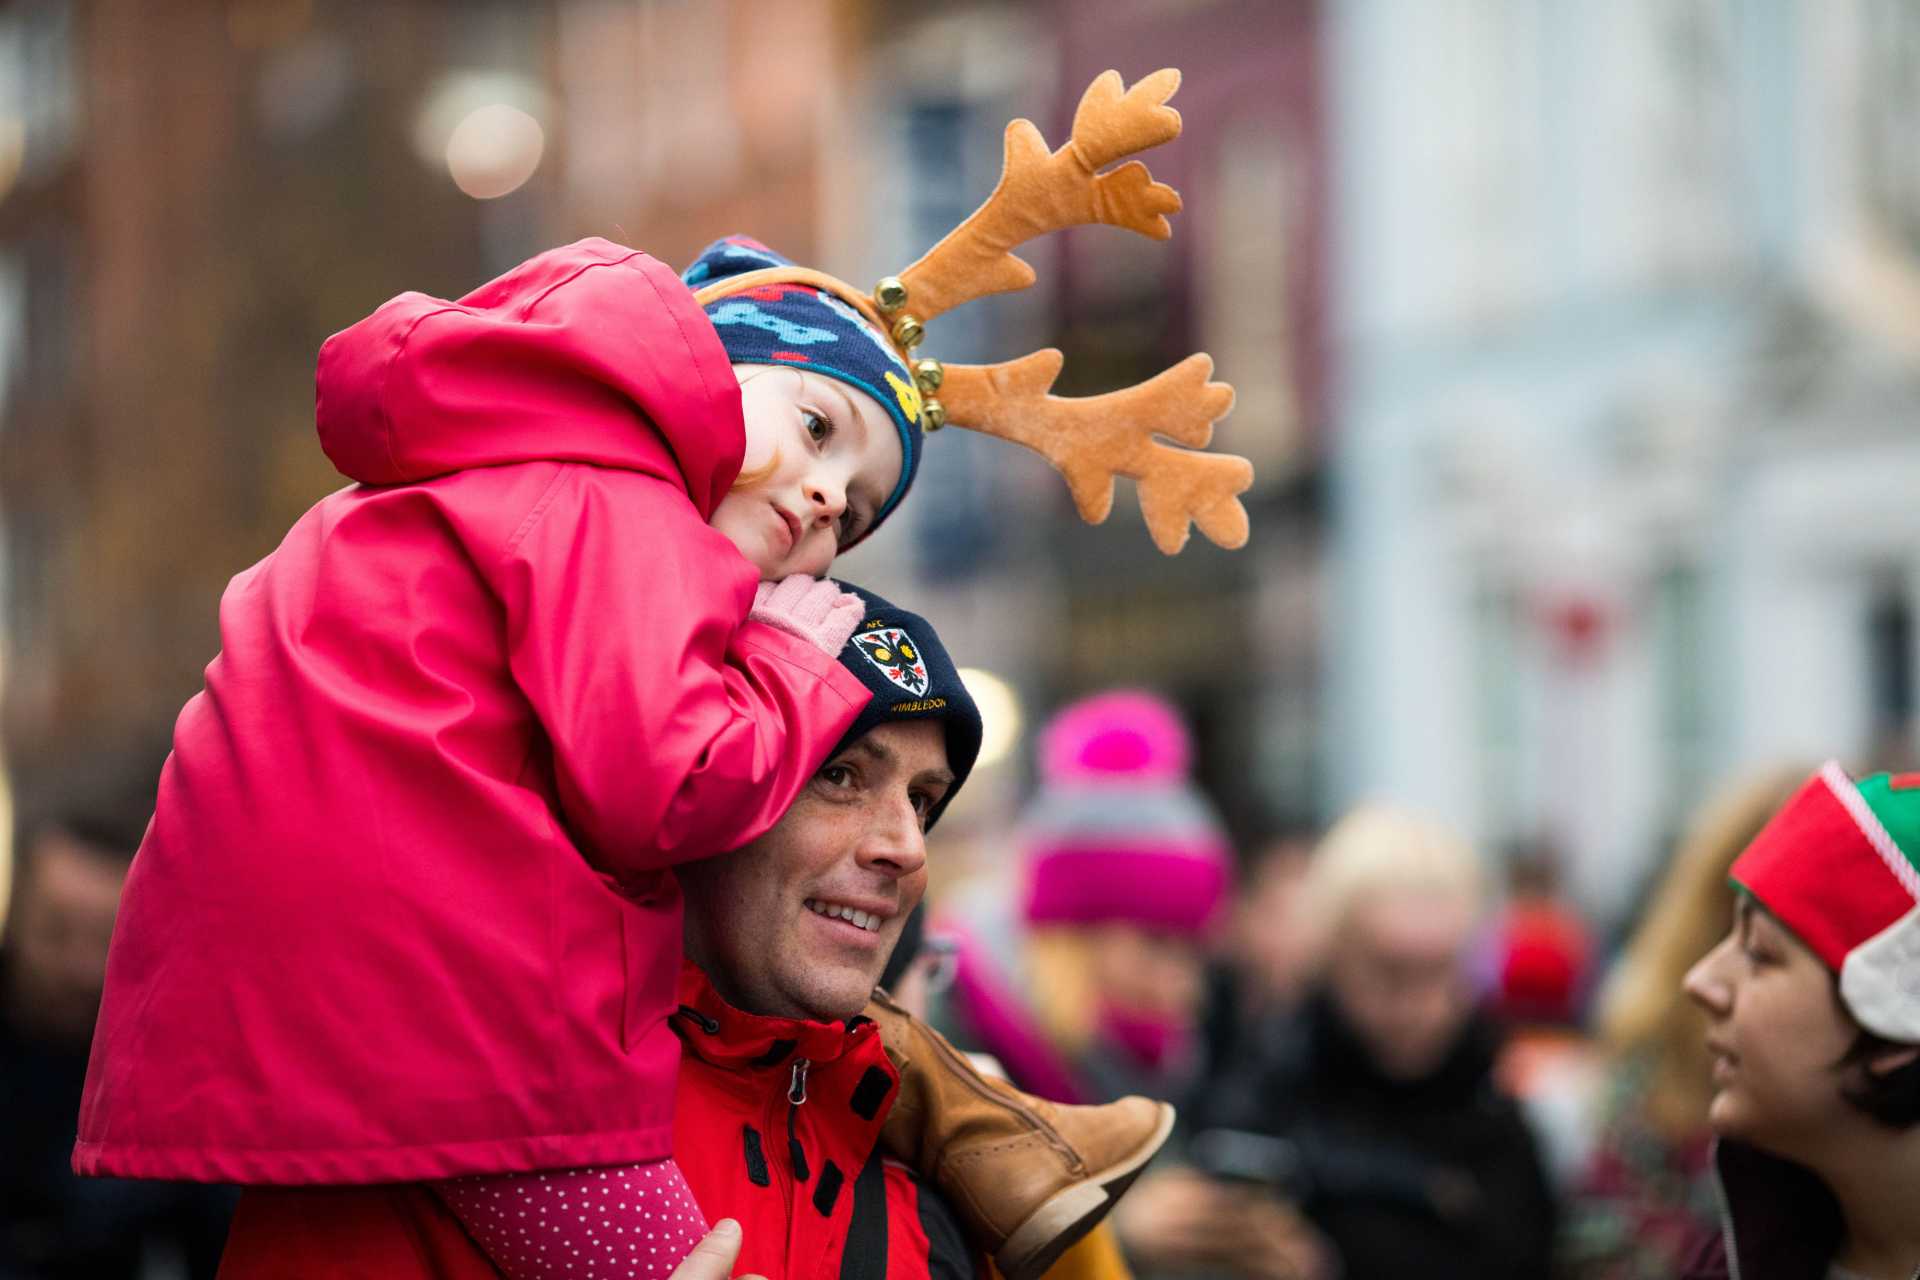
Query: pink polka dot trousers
[636,1220]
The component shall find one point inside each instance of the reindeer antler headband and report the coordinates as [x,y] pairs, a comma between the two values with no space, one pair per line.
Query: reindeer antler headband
[1089,440]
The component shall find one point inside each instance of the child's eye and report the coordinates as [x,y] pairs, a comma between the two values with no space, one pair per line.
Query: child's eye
[819,427]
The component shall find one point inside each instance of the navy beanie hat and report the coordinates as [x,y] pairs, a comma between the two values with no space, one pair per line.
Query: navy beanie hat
[806,327]
[903,664]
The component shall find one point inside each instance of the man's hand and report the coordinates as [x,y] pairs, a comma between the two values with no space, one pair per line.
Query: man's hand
[1178,1219]
[712,1258]
[1286,1247]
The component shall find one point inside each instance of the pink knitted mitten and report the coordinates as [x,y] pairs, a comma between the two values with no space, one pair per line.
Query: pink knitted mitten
[815,609]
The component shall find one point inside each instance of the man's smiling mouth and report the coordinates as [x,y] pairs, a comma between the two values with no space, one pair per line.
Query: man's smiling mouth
[834,911]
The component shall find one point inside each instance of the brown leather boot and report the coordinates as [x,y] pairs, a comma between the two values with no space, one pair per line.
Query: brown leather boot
[1027,1177]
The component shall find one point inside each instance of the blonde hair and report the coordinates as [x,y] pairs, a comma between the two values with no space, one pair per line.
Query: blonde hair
[1060,970]
[1642,1013]
[747,479]
[757,475]
[1378,849]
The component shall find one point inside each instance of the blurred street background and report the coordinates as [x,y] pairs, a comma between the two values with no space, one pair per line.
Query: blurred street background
[1577,348]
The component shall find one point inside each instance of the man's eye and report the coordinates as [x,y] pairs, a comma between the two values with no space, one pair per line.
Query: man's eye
[837,775]
[819,429]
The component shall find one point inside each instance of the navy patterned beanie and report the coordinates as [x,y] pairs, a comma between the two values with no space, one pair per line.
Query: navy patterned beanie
[809,328]
[900,659]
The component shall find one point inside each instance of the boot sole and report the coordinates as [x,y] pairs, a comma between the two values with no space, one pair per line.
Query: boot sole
[1068,1215]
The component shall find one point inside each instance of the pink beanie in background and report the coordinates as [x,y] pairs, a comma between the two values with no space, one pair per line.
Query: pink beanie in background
[1117,831]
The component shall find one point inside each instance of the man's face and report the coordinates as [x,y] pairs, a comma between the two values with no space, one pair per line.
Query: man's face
[769,922]
[62,922]
[1397,973]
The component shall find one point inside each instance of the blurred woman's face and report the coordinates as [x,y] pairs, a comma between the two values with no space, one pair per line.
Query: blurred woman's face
[1397,972]
[1775,1033]
[1271,946]
[1148,974]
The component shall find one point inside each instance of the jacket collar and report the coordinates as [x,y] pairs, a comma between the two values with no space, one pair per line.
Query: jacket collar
[1778,1220]
[725,1036]
[1339,1061]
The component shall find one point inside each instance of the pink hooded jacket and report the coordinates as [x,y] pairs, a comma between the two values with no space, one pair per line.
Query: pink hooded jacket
[405,910]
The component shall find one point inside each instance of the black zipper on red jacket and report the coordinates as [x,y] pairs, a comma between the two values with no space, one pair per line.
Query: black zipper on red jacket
[705,1023]
[796,1098]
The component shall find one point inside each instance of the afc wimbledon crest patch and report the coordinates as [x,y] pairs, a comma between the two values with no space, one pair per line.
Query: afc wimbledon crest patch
[893,651]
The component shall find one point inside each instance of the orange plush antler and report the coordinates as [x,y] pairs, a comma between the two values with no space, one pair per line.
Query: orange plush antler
[1091,440]
[1041,192]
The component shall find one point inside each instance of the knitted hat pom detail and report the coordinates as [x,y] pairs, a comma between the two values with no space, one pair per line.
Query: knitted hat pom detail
[1117,833]
[1126,736]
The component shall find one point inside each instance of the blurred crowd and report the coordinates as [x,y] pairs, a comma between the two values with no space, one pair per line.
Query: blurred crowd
[1575,348]
[75,833]
[1394,1054]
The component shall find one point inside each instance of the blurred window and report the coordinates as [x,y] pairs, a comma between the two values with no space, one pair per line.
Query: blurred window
[1890,101]
[1681,670]
[1683,119]
[1498,649]
[691,148]
[51,325]
[13,329]
[26,560]
[39,98]
[1890,640]
[1475,141]
[958,537]
[1258,212]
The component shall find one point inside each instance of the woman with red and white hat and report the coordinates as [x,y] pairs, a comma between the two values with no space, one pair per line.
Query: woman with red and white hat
[1813,1007]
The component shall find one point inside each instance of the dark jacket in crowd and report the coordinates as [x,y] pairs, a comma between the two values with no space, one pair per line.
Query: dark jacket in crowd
[1778,1220]
[55,1225]
[1437,1178]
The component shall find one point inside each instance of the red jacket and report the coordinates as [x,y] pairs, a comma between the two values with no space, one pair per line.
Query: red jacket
[405,909]
[777,1127]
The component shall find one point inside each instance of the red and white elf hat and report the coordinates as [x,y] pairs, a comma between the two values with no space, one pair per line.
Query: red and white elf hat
[1840,866]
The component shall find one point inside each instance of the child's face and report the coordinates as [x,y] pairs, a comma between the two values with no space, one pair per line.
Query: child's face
[835,456]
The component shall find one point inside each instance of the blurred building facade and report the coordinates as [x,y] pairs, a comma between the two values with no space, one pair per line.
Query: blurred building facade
[1576,345]
[208,190]
[204,193]
[1627,298]
[1018,583]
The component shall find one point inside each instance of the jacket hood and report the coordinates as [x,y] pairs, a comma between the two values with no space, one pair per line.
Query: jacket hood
[590,353]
